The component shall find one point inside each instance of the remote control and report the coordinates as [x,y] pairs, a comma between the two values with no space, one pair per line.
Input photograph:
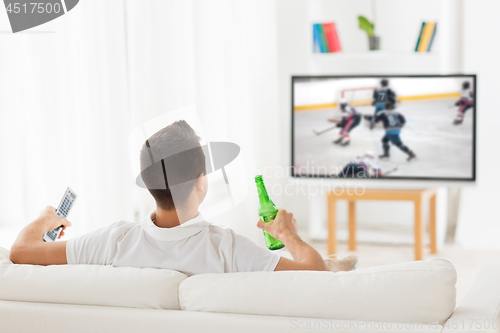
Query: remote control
[62,211]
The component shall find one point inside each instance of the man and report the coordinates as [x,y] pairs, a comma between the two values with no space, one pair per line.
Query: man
[382,96]
[465,102]
[393,123]
[362,167]
[175,236]
[350,119]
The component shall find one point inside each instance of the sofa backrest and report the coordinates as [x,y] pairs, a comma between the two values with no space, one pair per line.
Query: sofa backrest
[90,285]
[420,291]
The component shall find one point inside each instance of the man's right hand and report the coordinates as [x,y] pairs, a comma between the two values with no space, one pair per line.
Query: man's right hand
[282,227]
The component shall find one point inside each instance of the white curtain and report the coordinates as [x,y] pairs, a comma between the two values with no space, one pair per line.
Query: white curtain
[65,117]
[69,99]
[237,90]
[222,56]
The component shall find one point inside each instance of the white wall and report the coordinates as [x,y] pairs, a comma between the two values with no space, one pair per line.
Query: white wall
[479,221]
[398,24]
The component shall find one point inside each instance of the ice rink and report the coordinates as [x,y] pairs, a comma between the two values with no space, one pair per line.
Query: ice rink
[443,150]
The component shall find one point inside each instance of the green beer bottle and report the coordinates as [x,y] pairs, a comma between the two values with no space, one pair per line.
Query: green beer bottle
[267,213]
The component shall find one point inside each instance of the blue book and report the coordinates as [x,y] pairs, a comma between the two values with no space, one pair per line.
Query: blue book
[317,39]
[420,36]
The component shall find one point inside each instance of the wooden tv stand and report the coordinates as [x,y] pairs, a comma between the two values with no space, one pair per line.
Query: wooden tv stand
[417,196]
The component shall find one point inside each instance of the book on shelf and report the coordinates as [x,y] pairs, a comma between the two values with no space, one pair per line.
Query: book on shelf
[426,37]
[322,37]
[316,40]
[325,38]
[332,37]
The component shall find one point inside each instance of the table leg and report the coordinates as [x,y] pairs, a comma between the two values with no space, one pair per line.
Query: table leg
[332,224]
[352,225]
[432,225]
[418,230]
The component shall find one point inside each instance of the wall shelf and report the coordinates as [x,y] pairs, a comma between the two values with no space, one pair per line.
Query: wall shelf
[377,54]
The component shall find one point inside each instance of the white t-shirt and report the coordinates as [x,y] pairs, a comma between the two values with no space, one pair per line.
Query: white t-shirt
[193,247]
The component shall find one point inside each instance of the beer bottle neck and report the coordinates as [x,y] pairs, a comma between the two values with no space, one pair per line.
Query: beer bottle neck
[261,190]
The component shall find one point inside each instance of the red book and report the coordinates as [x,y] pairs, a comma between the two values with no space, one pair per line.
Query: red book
[332,38]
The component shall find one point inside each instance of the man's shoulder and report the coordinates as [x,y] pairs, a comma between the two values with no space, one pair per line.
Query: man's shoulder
[228,234]
[125,223]
[124,226]
[120,227]
[219,230]
[223,234]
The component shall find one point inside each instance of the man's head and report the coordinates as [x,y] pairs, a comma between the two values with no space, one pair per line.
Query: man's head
[343,103]
[173,167]
[384,82]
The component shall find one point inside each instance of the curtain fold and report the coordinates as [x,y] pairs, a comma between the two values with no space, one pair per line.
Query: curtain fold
[69,100]
[65,118]
[237,92]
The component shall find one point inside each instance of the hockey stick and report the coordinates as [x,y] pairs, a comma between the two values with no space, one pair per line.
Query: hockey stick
[335,121]
[390,171]
[383,174]
[325,130]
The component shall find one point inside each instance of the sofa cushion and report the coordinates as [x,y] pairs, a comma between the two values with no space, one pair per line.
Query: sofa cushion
[4,256]
[90,285]
[419,291]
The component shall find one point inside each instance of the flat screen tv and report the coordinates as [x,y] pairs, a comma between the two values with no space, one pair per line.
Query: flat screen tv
[386,127]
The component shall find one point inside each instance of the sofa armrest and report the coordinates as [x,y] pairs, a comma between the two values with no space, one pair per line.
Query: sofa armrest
[480,309]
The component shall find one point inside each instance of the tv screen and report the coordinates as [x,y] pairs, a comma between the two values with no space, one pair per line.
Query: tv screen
[390,127]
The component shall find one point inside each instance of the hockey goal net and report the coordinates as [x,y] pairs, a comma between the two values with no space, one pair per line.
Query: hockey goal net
[358,96]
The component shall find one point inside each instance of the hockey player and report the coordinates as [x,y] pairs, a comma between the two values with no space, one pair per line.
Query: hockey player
[350,119]
[393,122]
[362,167]
[382,96]
[465,102]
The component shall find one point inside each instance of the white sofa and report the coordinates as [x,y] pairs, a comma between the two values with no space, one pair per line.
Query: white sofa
[410,297]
